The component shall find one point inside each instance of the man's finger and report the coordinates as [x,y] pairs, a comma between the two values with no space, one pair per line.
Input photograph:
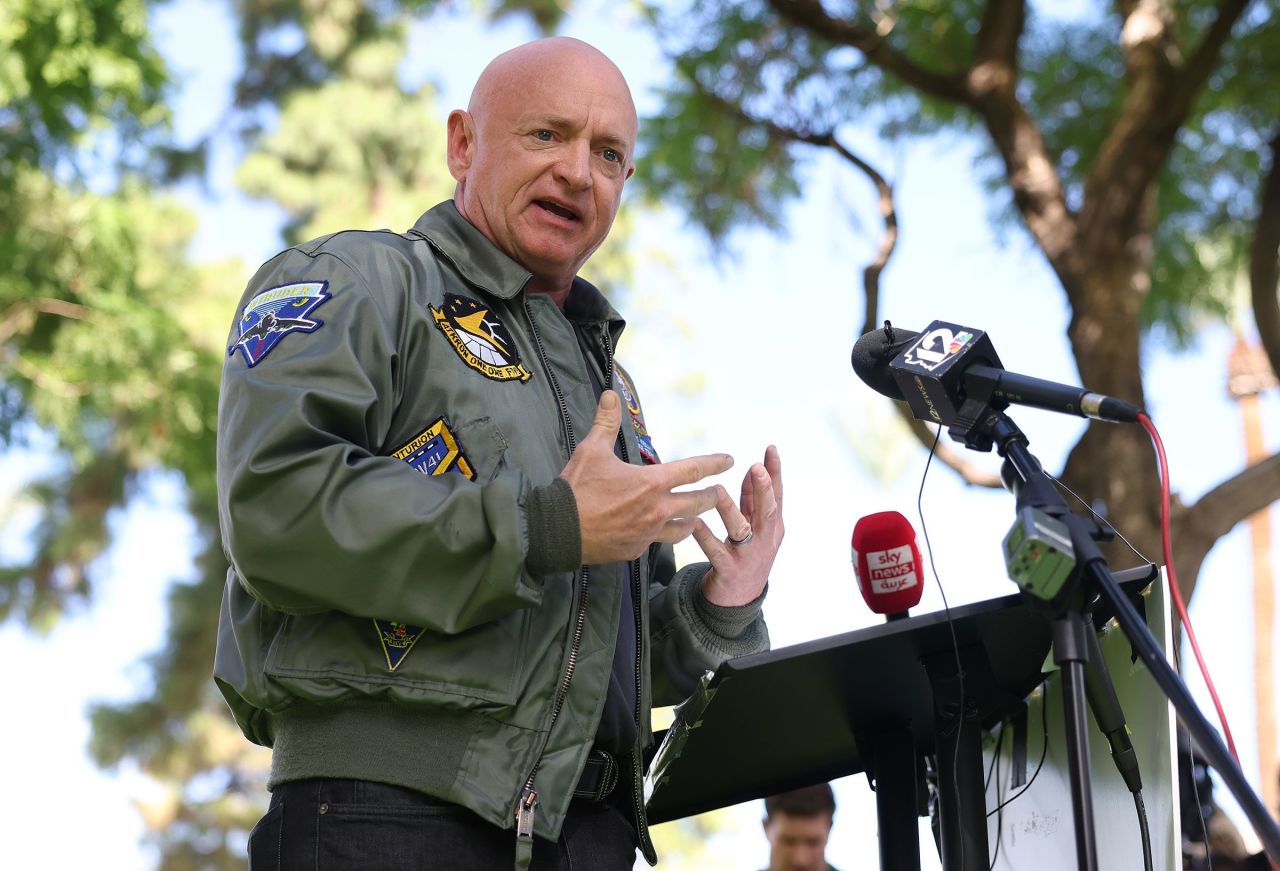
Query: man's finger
[773,464]
[608,417]
[712,547]
[691,470]
[691,503]
[736,523]
[677,530]
[764,503]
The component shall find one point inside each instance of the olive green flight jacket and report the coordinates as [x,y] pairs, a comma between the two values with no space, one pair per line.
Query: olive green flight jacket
[405,602]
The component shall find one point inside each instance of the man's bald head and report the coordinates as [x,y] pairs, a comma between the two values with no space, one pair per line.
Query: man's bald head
[525,65]
[541,155]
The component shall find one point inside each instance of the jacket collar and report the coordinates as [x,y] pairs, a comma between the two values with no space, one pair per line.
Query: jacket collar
[481,263]
[470,251]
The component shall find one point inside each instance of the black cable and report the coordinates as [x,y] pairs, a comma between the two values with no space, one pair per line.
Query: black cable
[995,760]
[1195,787]
[999,817]
[955,642]
[1044,749]
[1145,828]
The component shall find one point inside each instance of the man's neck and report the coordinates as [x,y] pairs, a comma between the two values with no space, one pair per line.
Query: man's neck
[555,291]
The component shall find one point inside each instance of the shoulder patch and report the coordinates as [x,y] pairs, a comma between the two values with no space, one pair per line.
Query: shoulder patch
[647,451]
[481,340]
[434,451]
[274,313]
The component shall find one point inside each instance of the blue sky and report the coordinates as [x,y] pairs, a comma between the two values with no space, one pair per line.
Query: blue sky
[767,330]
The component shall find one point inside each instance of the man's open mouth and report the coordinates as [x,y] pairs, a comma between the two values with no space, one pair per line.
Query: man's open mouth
[557,210]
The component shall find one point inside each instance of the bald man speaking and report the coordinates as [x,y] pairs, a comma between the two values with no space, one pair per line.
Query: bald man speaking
[452,598]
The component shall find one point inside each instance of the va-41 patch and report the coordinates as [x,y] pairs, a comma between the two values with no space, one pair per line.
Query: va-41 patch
[434,451]
[481,340]
[647,452]
[276,312]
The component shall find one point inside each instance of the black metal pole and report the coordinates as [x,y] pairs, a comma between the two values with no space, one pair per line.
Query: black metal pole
[961,786]
[894,764]
[1070,652]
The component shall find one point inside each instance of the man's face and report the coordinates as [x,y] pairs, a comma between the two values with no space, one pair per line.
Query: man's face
[549,147]
[797,843]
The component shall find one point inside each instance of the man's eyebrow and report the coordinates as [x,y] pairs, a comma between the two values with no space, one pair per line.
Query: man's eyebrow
[559,122]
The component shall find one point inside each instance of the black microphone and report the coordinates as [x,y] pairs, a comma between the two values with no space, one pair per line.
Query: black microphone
[940,370]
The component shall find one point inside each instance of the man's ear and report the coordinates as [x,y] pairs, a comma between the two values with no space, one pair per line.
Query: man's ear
[461,143]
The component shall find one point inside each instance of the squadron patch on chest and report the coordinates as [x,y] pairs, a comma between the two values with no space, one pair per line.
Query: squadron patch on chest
[276,312]
[434,451]
[647,451]
[481,340]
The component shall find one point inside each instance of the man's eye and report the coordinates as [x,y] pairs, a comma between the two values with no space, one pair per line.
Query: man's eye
[544,135]
[612,156]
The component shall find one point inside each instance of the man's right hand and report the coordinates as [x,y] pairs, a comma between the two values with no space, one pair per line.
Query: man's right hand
[622,508]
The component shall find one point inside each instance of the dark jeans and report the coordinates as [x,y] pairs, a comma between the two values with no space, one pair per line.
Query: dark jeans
[353,825]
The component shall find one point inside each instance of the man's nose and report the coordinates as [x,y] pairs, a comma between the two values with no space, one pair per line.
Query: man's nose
[574,165]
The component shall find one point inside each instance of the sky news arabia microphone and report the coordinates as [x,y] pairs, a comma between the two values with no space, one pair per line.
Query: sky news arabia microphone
[887,562]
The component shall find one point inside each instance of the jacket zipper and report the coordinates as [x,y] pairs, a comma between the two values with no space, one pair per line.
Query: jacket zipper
[528,801]
[637,787]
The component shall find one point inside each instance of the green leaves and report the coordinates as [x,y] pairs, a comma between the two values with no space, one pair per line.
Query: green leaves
[70,68]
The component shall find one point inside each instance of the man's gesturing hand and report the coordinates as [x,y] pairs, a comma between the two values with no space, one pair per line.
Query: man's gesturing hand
[740,564]
[622,509]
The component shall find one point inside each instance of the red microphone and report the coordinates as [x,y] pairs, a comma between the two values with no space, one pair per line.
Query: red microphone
[887,563]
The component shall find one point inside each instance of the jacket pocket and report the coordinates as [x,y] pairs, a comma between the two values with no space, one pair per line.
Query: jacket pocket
[325,657]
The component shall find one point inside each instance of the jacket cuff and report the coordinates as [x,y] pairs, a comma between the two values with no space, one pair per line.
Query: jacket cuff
[555,539]
[731,623]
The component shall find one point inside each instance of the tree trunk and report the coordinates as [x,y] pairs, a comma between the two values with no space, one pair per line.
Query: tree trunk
[1114,462]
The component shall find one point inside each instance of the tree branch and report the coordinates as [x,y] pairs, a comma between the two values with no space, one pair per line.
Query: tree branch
[1037,189]
[809,15]
[871,276]
[1264,260]
[974,475]
[1159,99]
[1198,527]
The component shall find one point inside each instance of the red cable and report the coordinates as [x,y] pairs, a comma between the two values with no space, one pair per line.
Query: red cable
[1166,539]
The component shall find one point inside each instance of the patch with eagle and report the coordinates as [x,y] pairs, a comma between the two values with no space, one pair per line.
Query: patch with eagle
[481,340]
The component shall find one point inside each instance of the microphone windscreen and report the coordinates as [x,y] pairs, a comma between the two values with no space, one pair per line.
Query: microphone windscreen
[887,562]
[872,354]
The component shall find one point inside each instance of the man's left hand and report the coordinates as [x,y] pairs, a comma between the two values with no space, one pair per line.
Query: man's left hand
[740,563]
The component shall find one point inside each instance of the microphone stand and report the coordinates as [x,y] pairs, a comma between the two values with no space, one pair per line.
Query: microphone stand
[1035,490]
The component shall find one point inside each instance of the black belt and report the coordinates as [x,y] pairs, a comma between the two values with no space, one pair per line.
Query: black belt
[598,778]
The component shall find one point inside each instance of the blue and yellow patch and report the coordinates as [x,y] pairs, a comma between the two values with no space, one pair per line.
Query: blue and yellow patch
[647,451]
[276,312]
[482,341]
[434,451]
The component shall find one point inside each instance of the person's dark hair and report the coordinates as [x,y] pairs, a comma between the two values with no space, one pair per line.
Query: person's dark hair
[808,801]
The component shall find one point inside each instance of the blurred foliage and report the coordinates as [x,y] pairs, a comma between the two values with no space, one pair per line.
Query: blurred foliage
[111,338]
[743,71]
[71,70]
